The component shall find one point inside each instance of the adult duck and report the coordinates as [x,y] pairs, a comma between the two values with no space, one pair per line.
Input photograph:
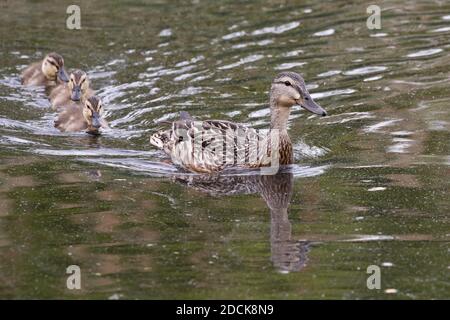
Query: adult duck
[213,145]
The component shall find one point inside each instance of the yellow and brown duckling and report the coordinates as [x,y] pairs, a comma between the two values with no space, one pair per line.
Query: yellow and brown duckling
[88,117]
[47,72]
[212,145]
[76,90]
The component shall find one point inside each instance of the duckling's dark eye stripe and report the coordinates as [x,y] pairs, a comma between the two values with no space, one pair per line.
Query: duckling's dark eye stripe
[52,63]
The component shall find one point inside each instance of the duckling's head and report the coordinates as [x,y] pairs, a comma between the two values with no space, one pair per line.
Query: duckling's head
[78,85]
[288,89]
[92,112]
[53,67]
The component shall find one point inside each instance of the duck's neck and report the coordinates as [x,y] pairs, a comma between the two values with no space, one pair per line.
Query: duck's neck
[279,115]
[279,120]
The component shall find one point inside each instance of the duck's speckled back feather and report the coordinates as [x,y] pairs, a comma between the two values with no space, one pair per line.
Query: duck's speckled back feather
[200,145]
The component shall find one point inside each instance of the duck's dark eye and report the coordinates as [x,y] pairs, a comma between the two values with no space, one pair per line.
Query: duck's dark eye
[53,64]
[306,98]
[287,83]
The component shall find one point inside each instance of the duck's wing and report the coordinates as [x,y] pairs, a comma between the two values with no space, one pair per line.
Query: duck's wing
[184,115]
[186,143]
[29,75]
[211,145]
[59,96]
[90,93]
[70,118]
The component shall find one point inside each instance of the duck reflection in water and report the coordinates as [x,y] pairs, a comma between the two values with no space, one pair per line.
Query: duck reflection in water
[288,255]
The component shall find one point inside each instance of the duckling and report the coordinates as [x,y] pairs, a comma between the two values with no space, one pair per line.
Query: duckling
[73,117]
[47,72]
[212,145]
[77,90]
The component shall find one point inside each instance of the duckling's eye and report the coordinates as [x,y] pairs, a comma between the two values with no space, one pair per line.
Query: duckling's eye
[53,64]
[287,83]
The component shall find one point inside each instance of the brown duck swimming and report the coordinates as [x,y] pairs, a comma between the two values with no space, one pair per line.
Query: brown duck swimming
[73,117]
[76,90]
[47,72]
[212,145]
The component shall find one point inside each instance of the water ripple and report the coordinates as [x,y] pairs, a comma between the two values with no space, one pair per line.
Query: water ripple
[289,65]
[165,33]
[424,53]
[324,33]
[93,152]
[303,150]
[329,73]
[365,70]
[234,35]
[378,126]
[325,94]
[248,59]
[443,29]
[277,29]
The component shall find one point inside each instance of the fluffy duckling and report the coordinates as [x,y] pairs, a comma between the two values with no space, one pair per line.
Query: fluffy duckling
[76,90]
[87,117]
[47,72]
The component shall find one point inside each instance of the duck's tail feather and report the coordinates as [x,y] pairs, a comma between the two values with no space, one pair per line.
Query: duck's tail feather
[184,115]
[160,139]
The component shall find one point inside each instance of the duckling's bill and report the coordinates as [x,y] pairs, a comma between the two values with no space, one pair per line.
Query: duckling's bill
[76,93]
[62,75]
[96,120]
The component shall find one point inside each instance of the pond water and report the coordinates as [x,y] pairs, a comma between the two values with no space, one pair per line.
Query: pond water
[370,183]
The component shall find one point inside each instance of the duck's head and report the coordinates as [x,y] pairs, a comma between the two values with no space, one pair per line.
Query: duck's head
[78,85]
[288,89]
[92,112]
[53,67]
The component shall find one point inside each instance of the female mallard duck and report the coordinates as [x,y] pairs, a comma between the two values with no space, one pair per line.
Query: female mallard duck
[77,90]
[46,72]
[88,117]
[212,145]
